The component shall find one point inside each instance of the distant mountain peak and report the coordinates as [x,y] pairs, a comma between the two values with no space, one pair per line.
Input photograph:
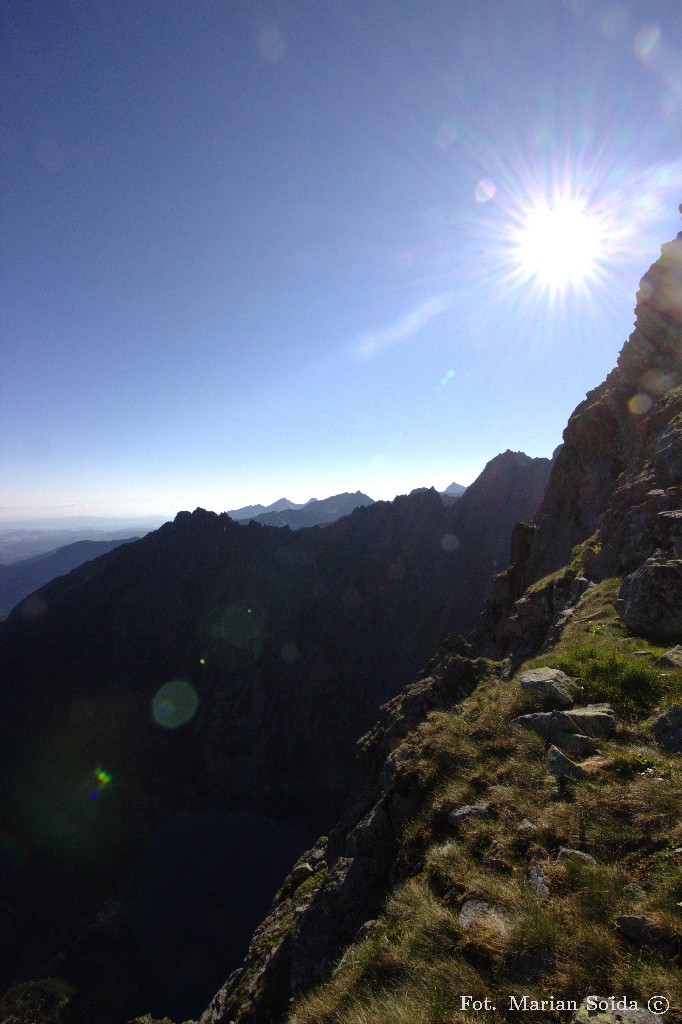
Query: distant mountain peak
[314,512]
[251,511]
[454,488]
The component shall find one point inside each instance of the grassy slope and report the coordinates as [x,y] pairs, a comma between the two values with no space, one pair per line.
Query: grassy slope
[416,963]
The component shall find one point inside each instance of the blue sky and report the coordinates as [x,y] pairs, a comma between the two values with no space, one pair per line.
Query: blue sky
[261,248]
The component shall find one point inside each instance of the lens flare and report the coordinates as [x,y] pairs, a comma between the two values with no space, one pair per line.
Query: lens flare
[103,779]
[640,403]
[646,42]
[657,382]
[485,190]
[232,635]
[174,704]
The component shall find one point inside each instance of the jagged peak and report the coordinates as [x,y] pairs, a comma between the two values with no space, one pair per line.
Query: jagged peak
[502,465]
[509,457]
[200,518]
[651,358]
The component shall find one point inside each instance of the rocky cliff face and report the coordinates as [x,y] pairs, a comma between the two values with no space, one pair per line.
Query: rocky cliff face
[614,497]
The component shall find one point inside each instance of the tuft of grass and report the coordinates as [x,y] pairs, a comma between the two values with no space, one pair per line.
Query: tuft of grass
[633,762]
[608,675]
[438,747]
[587,961]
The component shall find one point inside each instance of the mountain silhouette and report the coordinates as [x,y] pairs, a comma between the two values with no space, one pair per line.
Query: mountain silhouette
[283,644]
[314,512]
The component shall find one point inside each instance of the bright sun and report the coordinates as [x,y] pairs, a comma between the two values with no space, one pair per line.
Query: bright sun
[559,244]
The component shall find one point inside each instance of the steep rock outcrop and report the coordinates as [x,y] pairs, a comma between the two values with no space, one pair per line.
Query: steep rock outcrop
[616,484]
[650,599]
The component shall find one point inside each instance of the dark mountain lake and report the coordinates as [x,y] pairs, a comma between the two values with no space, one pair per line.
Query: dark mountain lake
[206,881]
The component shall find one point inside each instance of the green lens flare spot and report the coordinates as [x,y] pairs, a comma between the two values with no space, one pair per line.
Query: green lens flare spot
[102,781]
[174,704]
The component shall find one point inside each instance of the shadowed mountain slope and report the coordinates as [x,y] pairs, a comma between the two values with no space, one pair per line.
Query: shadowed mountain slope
[284,645]
[21,578]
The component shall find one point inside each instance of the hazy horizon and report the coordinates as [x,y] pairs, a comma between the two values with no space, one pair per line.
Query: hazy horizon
[10,520]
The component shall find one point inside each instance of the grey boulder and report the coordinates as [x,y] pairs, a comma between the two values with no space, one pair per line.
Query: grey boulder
[667,730]
[550,684]
[593,721]
[671,658]
[650,599]
[538,882]
[477,913]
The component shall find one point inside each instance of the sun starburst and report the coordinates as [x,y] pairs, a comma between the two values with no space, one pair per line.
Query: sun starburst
[560,243]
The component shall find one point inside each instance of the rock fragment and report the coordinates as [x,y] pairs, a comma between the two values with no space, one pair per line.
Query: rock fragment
[301,872]
[567,853]
[574,743]
[635,927]
[593,721]
[538,882]
[467,811]
[667,730]
[550,684]
[671,658]
[477,913]
[561,766]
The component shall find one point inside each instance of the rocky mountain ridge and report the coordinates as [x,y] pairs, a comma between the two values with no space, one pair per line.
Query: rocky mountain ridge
[247,512]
